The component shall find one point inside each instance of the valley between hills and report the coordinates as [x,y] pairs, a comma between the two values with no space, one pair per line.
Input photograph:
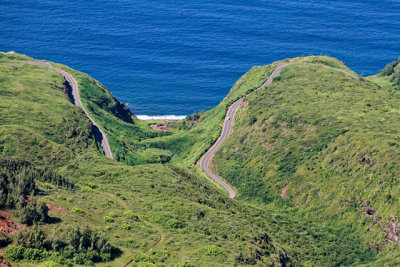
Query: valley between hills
[297,166]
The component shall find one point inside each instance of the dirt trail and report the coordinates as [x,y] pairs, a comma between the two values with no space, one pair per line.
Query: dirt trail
[343,71]
[160,234]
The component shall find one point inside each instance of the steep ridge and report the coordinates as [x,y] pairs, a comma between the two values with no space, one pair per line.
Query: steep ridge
[226,132]
[227,127]
[332,138]
[100,135]
[324,218]
[130,205]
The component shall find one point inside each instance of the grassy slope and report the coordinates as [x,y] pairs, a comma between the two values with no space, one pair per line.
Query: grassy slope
[332,138]
[165,196]
[135,143]
[188,145]
[198,224]
[28,126]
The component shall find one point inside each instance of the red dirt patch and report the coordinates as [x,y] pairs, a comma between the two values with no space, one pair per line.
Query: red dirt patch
[245,103]
[212,164]
[284,191]
[8,226]
[3,262]
[162,126]
[56,209]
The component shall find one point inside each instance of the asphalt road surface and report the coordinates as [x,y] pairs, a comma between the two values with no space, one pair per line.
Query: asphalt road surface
[226,132]
[100,135]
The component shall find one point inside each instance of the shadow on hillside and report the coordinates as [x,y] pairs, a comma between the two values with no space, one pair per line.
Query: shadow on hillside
[53,220]
[97,135]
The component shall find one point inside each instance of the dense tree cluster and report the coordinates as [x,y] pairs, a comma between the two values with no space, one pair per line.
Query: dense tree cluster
[17,183]
[390,68]
[25,170]
[82,245]
[32,211]
[193,117]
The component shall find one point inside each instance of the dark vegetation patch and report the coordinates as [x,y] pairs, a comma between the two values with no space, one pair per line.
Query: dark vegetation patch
[392,71]
[74,245]
[18,186]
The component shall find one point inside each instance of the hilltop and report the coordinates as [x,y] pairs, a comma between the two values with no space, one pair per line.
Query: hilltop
[312,158]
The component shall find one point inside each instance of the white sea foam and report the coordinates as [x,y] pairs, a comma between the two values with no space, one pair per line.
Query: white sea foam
[161,117]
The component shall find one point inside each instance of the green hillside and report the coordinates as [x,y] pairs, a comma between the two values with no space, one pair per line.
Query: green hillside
[330,139]
[324,144]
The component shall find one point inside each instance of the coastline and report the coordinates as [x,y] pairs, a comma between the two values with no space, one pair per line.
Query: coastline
[160,117]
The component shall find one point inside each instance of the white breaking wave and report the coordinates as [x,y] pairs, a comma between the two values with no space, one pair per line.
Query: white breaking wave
[162,117]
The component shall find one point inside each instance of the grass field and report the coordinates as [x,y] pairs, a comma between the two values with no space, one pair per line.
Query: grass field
[331,139]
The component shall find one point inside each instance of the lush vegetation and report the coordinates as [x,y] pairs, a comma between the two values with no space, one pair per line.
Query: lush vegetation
[165,212]
[326,138]
[74,245]
[134,142]
[392,72]
[17,188]
[324,144]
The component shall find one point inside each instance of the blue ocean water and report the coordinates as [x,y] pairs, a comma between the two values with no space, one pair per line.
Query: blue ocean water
[178,57]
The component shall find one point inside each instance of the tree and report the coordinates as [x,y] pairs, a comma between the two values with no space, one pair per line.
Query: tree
[31,238]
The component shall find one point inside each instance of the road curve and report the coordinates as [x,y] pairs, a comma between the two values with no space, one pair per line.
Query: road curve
[100,135]
[226,132]
[227,128]
[342,71]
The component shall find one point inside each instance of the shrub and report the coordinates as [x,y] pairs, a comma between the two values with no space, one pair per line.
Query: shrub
[92,185]
[142,257]
[61,197]
[192,117]
[86,189]
[81,258]
[14,253]
[112,214]
[29,254]
[47,186]
[32,212]
[175,224]
[126,226]
[214,251]
[389,68]
[78,210]
[31,238]
[108,219]
[131,215]
[118,194]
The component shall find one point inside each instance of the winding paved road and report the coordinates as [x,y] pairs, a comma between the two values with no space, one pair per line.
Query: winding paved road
[100,135]
[226,132]
[227,129]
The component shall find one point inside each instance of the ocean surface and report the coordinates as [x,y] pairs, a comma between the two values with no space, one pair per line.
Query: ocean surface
[181,56]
